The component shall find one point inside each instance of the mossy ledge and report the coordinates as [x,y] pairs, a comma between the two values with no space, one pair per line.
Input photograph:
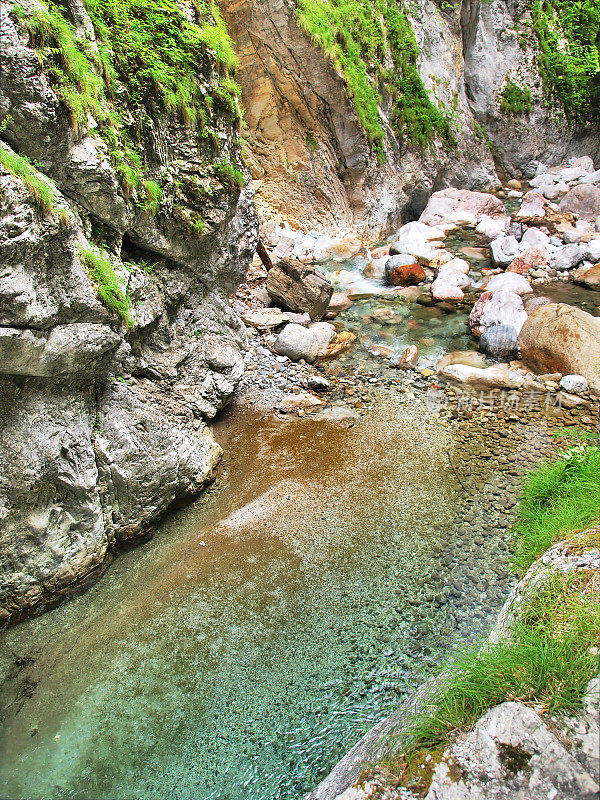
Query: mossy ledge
[141,54]
[373,46]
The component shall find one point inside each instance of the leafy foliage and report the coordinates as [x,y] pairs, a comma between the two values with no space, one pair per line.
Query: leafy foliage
[569,34]
[359,36]
[145,52]
[515,99]
[110,289]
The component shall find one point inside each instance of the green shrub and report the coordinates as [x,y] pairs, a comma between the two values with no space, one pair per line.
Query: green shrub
[559,497]
[356,35]
[568,33]
[38,185]
[515,99]
[110,290]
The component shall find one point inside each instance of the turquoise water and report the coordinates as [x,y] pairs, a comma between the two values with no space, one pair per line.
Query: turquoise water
[239,653]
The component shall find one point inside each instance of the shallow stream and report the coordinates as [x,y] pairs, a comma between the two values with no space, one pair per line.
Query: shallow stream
[239,653]
[265,628]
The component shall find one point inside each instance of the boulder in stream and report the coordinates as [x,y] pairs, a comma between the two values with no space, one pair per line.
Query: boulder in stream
[561,338]
[296,287]
[500,342]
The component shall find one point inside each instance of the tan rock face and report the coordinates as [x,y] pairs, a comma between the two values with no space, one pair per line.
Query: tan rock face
[588,276]
[561,338]
[309,155]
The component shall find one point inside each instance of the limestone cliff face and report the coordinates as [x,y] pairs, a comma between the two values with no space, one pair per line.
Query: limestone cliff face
[101,422]
[500,46]
[309,150]
[306,143]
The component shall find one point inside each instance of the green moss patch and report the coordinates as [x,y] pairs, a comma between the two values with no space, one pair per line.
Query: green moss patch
[360,36]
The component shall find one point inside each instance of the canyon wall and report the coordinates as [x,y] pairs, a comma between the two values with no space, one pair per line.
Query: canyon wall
[117,338]
[310,156]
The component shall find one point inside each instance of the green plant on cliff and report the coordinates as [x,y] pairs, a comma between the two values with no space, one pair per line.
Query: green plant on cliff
[568,33]
[362,37]
[145,52]
[559,497]
[40,187]
[110,289]
[515,99]
[228,174]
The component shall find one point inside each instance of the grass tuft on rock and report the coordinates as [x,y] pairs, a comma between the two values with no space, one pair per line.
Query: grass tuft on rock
[546,662]
[41,188]
[110,289]
[559,497]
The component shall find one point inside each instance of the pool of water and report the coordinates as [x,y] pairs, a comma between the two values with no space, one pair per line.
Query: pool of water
[239,653]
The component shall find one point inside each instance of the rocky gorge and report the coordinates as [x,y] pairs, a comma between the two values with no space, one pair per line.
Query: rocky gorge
[376,231]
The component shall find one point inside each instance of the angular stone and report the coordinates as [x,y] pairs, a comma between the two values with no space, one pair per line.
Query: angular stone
[588,276]
[339,302]
[530,259]
[566,258]
[504,250]
[583,200]
[403,270]
[296,287]
[489,378]
[264,318]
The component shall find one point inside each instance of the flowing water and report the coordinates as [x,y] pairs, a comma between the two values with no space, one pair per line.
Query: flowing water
[266,627]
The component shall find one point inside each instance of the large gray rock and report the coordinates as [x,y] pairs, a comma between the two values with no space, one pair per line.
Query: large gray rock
[504,250]
[296,287]
[566,258]
[511,755]
[81,473]
[451,208]
[297,342]
[65,349]
[500,341]
[89,460]
[583,200]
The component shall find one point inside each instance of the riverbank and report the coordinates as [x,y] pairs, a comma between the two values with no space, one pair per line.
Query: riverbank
[485,726]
